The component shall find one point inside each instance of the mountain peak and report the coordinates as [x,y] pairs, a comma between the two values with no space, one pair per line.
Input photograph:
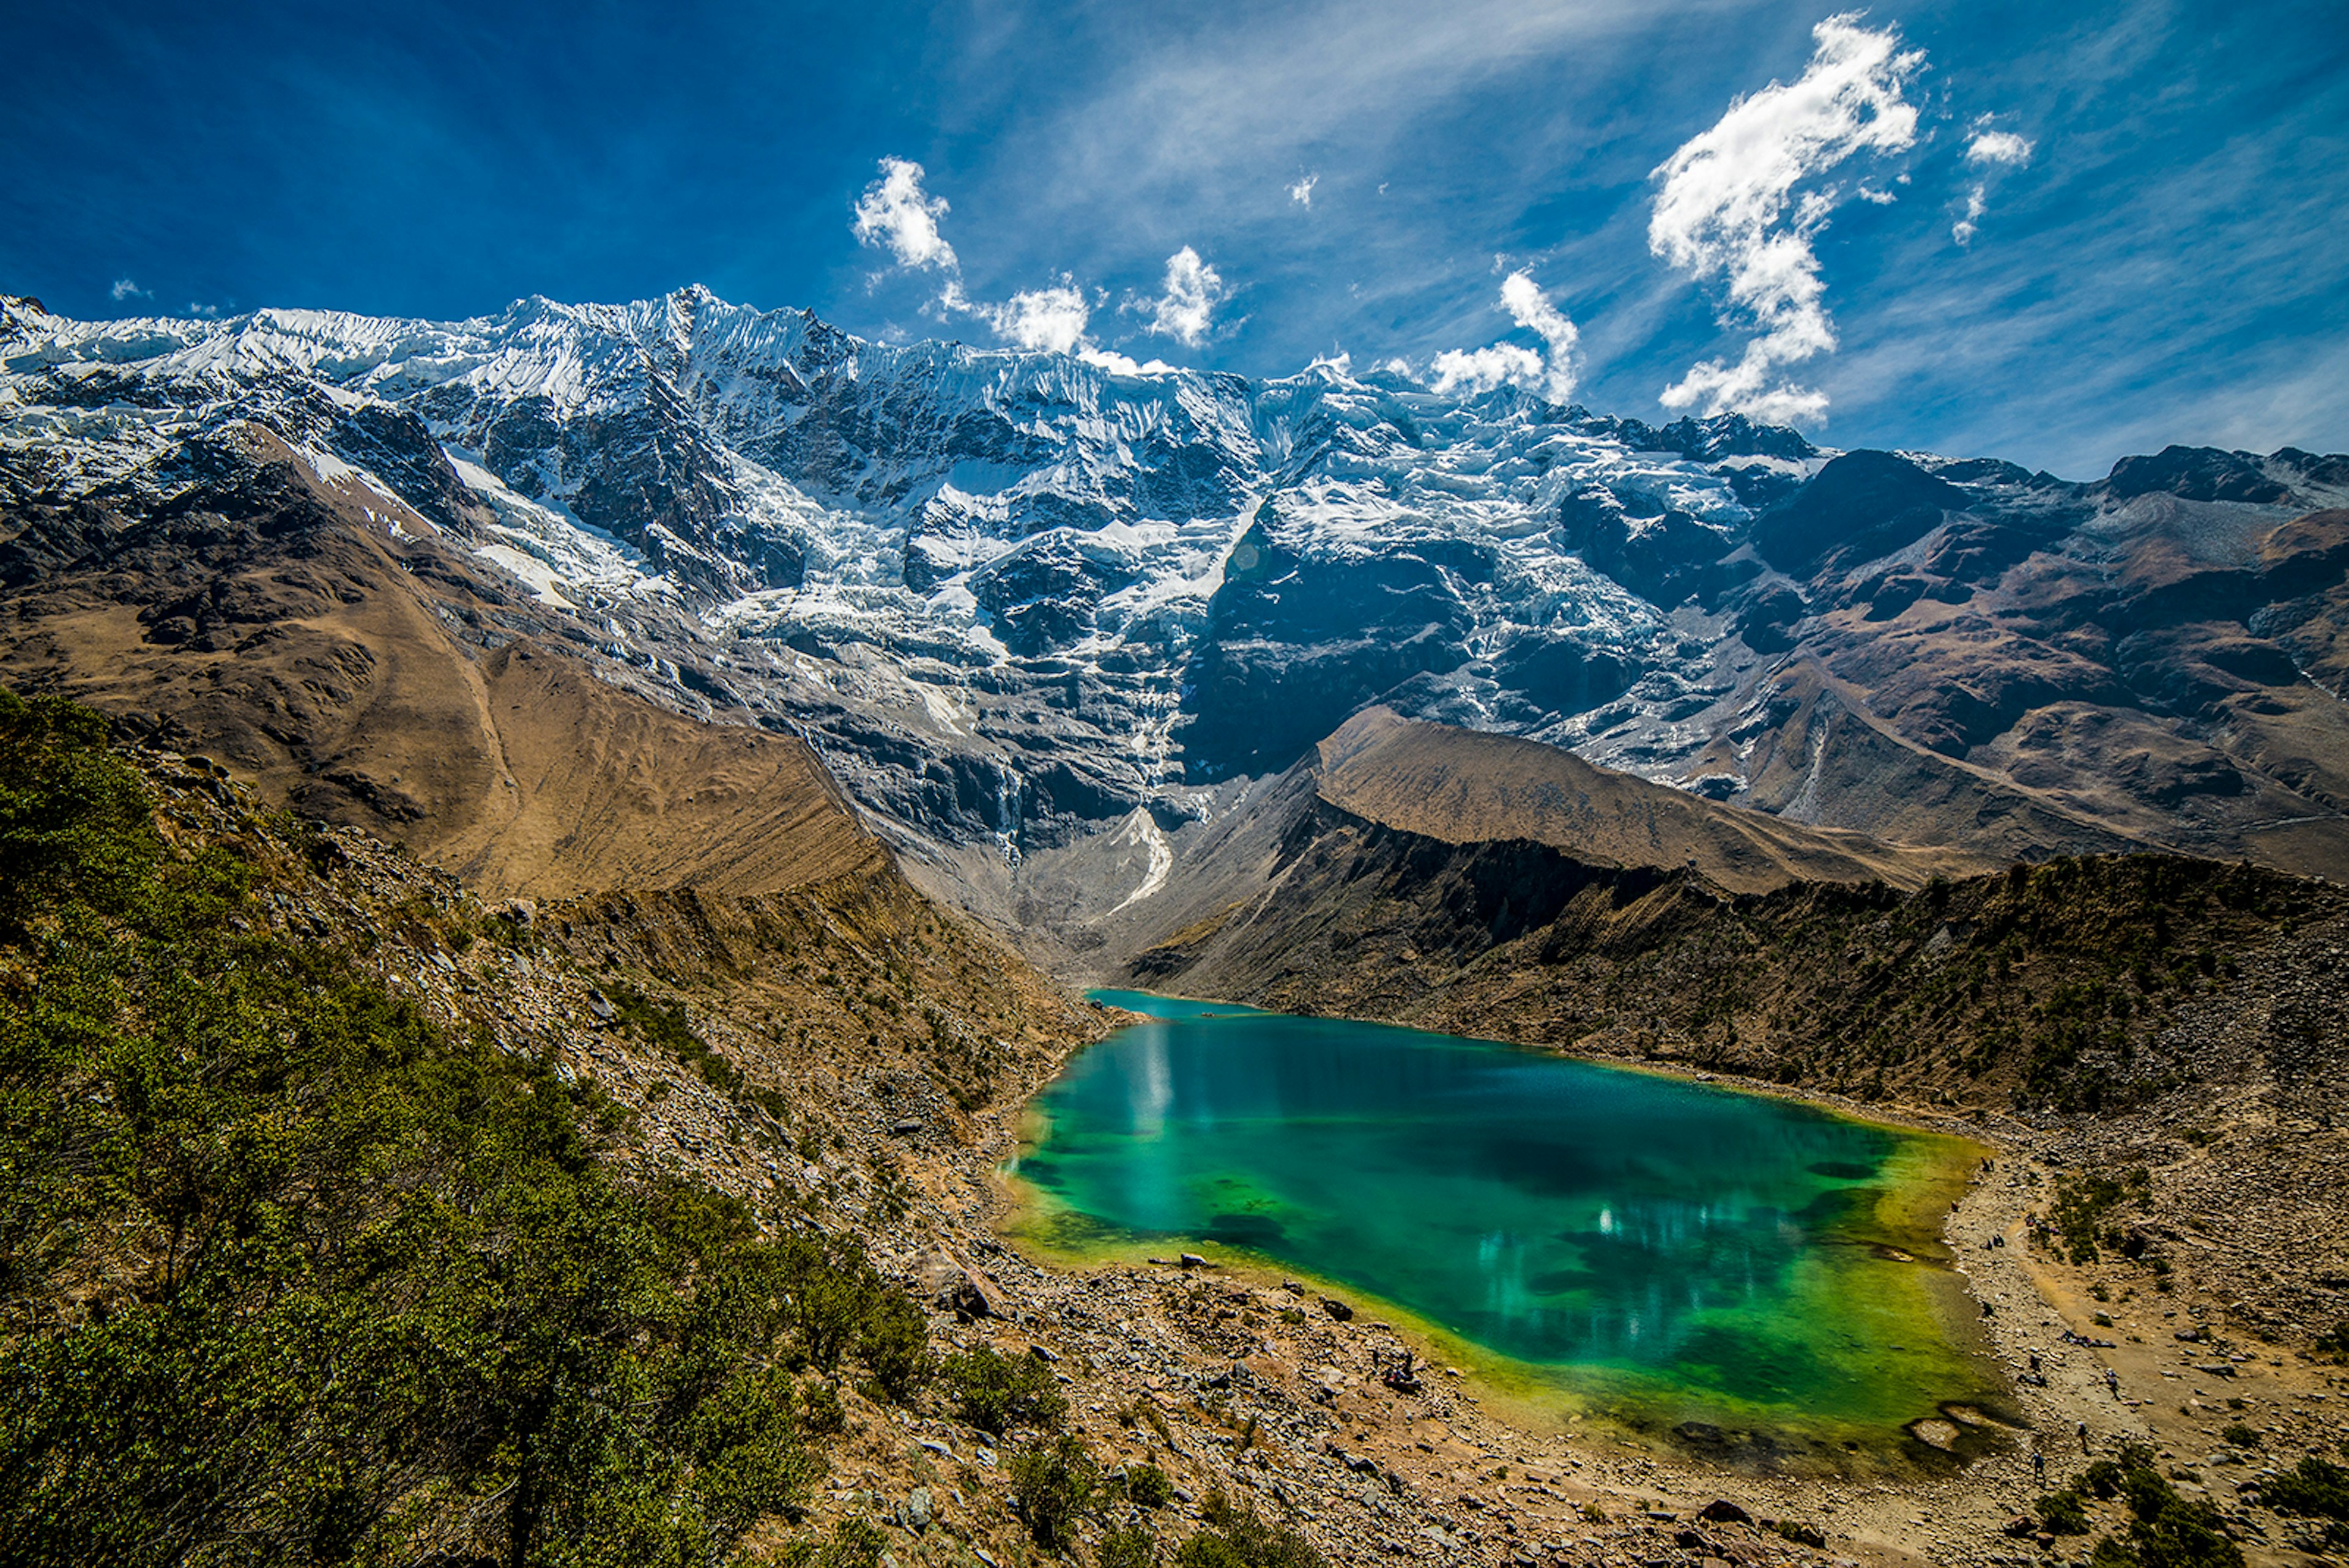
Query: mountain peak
[1013,597]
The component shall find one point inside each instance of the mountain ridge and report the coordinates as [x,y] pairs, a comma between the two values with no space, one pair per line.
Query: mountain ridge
[1027,609]
[1467,786]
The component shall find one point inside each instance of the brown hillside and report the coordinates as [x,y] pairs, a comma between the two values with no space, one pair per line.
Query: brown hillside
[323,640]
[610,791]
[1465,786]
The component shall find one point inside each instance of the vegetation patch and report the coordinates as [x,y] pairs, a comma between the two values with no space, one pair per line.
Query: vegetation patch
[2316,1489]
[1237,1537]
[1053,1483]
[288,1272]
[2165,1530]
[997,1393]
[669,1029]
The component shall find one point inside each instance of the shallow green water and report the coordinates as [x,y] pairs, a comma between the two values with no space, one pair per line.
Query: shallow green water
[1663,1249]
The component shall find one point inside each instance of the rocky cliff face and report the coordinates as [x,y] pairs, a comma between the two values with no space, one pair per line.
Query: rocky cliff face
[1045,620]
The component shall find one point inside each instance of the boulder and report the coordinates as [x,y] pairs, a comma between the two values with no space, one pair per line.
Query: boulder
[956,1288]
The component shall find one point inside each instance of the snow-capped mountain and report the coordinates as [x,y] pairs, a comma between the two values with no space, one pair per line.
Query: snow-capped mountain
[1023,603]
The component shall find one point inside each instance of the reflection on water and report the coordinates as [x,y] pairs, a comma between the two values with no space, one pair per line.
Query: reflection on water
[1556,1212]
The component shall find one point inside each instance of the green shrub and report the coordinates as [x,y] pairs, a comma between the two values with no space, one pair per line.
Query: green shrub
[2063,1513]
[1128,1547]
[76,825]
[830,1301]
[1146,1486]
[2166,1531]
[855,1543]
[2317,1489]
[821,1410]
[2237,1436]
[1052,1484]
[996,1393]
[1239,1538]
[669,1029]
[893,1343]
[2082,1203]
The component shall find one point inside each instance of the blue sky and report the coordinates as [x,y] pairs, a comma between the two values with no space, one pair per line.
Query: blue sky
[2157,255]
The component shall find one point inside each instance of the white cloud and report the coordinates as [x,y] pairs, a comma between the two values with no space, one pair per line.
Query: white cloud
[209,311]
[1193,289]
[1052,318]
[126,289]
[1987,149]
[1724,211]
[1998,147]
[1473,370]
[894,210]
[1532,310]
[1964,229]
[1302,192]
[1119,364]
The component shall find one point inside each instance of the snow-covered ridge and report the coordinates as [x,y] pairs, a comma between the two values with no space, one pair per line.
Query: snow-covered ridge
[806,459]
[1013,596]
[904,548]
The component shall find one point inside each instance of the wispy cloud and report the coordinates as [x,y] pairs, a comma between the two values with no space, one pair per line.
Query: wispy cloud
[1302,192]
[1987,149]
[1187,308]
[205,312]
[1472,371]
[1998,147]
[895,212]
[1729,211]
[1532,310]
[126,289]
[1964,229]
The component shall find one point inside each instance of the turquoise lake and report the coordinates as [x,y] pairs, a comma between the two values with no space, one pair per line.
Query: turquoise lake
[1744,1268]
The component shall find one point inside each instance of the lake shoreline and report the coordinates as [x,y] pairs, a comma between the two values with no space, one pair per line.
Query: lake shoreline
[1885,1265]
[1433,1460]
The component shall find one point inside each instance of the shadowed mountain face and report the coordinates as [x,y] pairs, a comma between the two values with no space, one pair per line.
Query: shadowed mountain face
[1045,622]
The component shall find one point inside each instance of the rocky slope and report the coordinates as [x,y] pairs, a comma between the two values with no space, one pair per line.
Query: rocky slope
[1463,786]
[1045,620]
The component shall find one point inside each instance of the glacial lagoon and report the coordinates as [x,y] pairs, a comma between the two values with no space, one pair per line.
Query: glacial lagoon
[1745,1275]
